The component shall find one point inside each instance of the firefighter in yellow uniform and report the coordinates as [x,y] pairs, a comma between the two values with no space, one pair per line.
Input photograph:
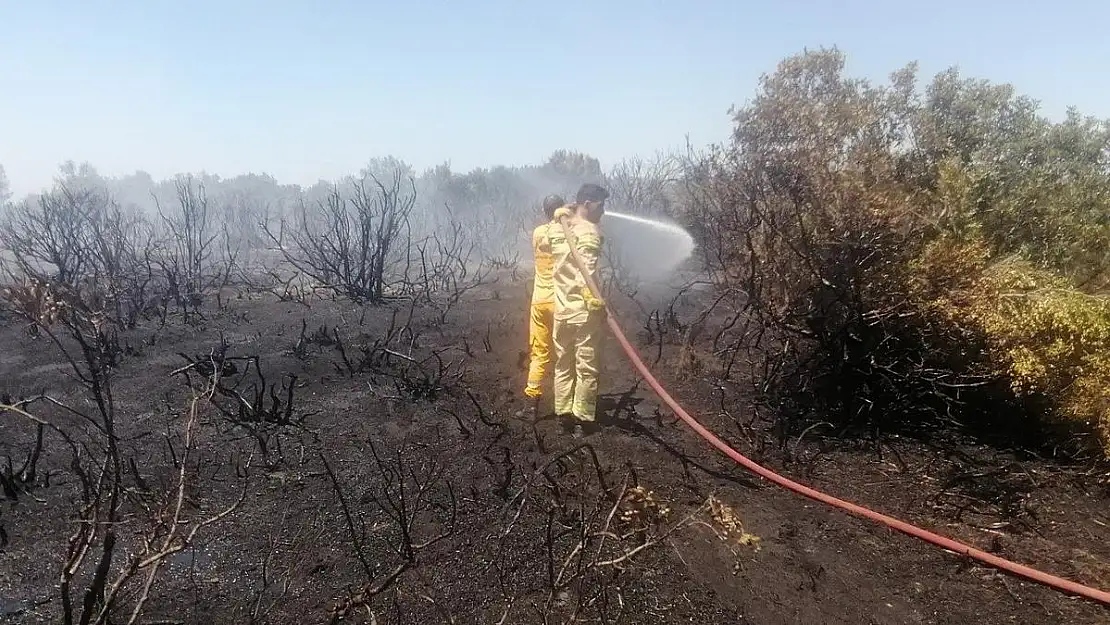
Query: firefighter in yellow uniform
[579,316]
[542,308]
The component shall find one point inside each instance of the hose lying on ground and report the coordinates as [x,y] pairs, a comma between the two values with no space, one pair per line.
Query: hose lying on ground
[1009,566]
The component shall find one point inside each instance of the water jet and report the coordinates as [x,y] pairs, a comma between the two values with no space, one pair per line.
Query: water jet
[651,249]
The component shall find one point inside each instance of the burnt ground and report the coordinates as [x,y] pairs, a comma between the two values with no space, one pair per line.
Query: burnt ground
[454,508]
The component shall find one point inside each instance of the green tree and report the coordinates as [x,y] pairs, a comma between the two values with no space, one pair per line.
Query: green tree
[574,165]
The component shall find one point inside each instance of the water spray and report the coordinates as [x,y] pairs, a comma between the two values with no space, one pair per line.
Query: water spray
[662,226]
[658,255]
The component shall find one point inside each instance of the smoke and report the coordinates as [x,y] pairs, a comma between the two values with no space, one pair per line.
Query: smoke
[494,208]
[649,250]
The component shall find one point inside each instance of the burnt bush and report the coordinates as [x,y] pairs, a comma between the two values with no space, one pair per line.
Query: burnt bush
[124,531]
[346,242]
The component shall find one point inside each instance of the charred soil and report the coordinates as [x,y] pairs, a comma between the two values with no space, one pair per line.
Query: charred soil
[407,484]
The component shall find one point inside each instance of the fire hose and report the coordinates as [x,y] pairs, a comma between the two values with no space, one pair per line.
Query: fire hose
[949,544]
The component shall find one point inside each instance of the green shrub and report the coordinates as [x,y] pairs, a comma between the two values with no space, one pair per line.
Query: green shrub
[1048,341]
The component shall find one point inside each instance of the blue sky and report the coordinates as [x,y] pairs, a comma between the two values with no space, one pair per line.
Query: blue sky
[313,89]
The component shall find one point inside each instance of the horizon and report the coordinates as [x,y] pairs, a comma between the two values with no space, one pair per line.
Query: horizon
[305,95]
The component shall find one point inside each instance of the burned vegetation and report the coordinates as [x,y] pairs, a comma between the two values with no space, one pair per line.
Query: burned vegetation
[299,429]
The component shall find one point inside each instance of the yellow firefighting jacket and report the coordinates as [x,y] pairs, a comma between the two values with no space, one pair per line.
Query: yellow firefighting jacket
[573,300]
[543,286]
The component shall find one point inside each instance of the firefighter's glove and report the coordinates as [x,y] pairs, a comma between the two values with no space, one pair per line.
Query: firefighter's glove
[593,304]
[563,212]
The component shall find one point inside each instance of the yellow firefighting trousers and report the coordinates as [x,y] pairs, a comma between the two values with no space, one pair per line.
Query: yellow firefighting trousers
[577,362]
[541,312]
[539,346]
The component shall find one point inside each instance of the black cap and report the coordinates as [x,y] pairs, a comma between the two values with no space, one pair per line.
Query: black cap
[591,192]
[552,203]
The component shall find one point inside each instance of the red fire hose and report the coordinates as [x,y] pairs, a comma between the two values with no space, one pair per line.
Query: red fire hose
[1021,570]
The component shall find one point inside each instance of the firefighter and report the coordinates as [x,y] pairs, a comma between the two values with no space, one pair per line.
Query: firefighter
[579,315]
[542,306]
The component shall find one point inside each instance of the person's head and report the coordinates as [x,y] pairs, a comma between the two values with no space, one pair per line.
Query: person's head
[591,201]
[551,204]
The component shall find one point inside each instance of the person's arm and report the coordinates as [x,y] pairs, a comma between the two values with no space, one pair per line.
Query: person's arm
[588,245]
